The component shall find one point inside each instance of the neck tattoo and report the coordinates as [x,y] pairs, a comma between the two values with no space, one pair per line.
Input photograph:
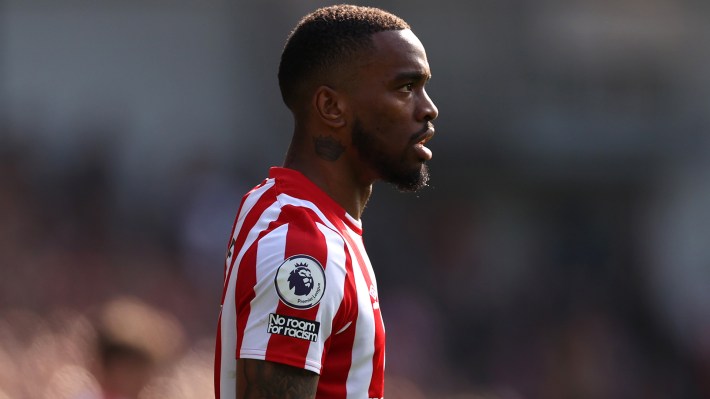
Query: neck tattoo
[328,148]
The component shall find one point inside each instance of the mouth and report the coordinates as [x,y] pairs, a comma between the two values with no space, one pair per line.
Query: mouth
[426,136]
[423,152]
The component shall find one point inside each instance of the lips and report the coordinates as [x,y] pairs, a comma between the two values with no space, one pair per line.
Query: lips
[426,137]
[424,152]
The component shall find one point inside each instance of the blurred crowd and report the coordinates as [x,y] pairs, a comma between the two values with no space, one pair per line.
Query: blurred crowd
[93,300]
[89,311]
[561,252]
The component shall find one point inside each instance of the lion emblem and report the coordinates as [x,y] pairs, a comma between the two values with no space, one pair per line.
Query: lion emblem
[300,279]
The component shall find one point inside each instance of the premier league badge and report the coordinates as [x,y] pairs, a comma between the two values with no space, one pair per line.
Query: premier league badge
[300,282]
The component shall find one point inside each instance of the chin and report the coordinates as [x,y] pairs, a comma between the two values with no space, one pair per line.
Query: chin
[411,181]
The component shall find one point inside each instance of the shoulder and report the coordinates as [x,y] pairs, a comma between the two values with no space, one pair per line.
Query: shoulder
[305,219]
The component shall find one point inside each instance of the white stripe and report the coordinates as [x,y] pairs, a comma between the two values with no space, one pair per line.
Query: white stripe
[345,327]
[361,368]
[357,239]
[228,366]
[286,199]
[334,281]
[270,253]
[249,203]
[356,222]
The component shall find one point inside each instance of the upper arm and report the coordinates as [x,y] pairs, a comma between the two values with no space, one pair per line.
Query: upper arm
[260,379]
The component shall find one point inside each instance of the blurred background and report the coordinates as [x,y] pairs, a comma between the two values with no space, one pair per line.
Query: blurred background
[561,252]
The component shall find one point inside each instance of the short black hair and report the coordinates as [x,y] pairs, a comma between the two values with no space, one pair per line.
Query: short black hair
[327,38]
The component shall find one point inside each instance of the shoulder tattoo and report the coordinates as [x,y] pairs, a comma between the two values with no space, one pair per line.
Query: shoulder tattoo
[267,380]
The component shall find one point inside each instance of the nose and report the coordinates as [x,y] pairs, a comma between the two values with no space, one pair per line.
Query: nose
[428,111]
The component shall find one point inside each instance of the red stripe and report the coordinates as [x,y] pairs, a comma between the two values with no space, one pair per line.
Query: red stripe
[377,383]
[234,226]
[244,293]
[246,281]
[246,226]
[265,201]
[303,237]
[218,359]
[246,272]
[340,346]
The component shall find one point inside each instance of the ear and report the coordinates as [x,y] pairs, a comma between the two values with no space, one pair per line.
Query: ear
[330,106]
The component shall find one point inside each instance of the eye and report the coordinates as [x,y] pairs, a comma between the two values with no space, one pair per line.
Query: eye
[407,88]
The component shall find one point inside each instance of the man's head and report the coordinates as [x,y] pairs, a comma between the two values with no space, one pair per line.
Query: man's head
[324,43]
[354,78]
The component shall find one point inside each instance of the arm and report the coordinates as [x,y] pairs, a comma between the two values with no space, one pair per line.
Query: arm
[259,379]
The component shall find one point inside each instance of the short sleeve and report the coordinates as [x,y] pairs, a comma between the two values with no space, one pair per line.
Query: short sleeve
[296,300]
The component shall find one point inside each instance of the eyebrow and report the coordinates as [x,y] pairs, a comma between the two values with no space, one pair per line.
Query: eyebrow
[413,75]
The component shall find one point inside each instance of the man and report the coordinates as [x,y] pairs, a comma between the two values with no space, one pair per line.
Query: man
[300,312]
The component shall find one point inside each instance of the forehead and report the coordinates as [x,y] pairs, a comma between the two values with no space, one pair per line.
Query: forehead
[397,52]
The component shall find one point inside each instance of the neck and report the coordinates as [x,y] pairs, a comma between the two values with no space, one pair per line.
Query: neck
[331,176]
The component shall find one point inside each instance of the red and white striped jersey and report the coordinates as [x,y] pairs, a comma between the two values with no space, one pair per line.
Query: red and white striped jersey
[299,289]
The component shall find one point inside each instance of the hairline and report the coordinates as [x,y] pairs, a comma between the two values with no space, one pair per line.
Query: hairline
[372,20]
[344,73]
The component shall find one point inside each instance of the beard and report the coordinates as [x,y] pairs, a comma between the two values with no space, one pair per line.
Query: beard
[391,169]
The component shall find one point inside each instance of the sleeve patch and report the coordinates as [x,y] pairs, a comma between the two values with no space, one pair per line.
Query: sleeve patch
[295,327]
[300,282]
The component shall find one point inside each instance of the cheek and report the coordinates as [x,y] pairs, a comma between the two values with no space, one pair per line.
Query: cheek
[382,110]
[387,123]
